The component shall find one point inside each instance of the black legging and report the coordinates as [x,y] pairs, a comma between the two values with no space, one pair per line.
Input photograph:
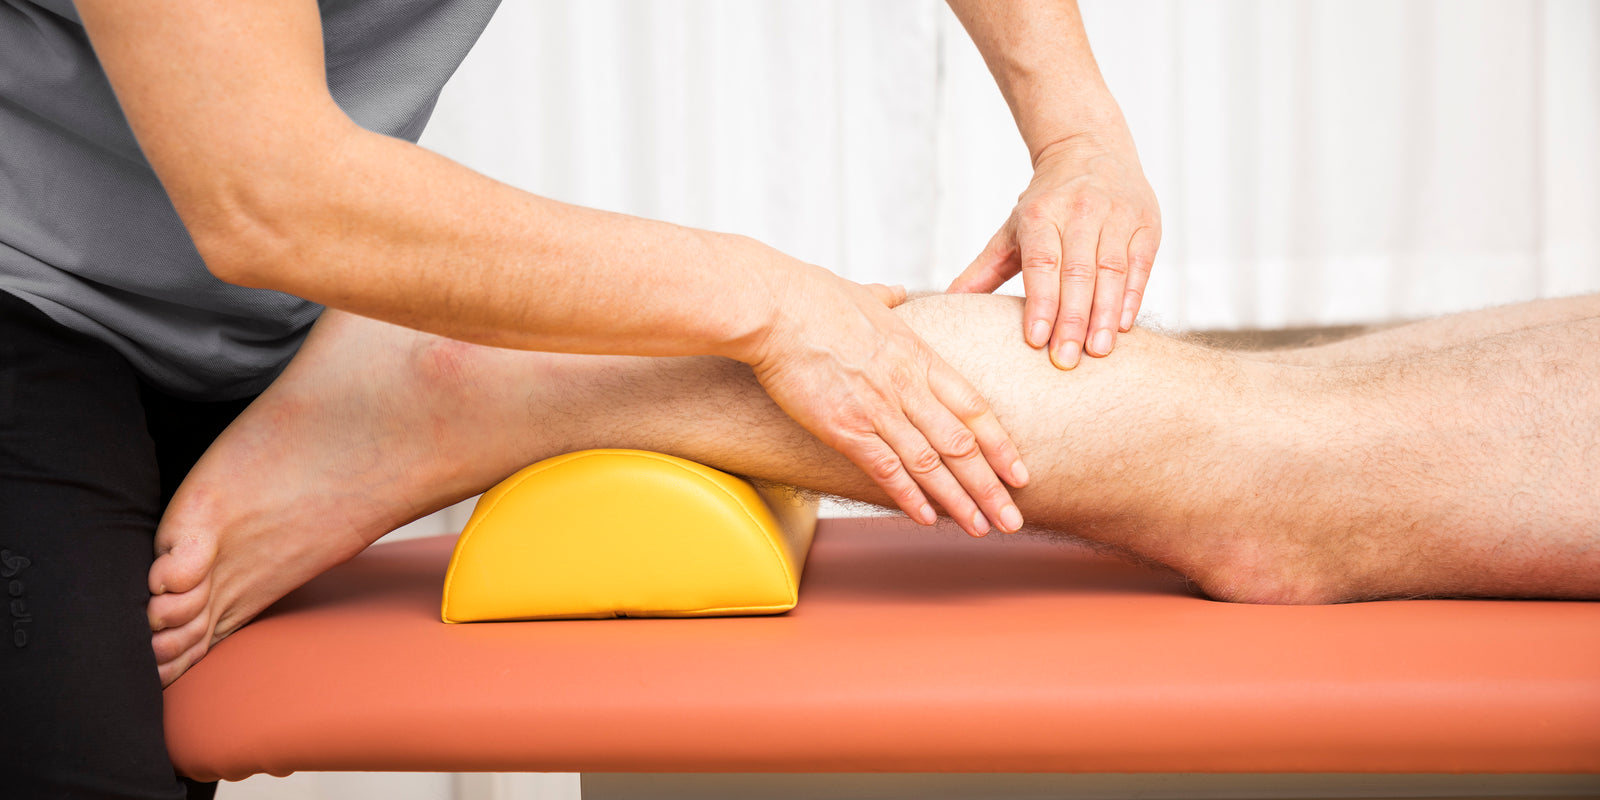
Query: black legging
[89,456]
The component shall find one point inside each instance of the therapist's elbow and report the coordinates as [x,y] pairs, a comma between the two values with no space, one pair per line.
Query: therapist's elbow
[255,235]
[262,216]
[245,253]
[257,197]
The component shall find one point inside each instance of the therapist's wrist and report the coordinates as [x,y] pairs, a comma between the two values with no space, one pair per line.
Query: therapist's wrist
[1049,115]
[756,305]
[1098,131]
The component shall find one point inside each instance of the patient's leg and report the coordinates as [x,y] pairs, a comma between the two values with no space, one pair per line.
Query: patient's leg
[1464,470]
[1432,334]
[1467,470]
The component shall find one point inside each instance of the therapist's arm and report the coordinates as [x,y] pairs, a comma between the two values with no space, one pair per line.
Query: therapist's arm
[280,189]
[1085,231]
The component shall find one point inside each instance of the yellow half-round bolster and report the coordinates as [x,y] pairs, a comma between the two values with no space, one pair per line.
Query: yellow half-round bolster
[627,533]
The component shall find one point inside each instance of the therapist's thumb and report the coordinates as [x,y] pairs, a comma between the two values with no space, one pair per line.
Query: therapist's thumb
[890,296]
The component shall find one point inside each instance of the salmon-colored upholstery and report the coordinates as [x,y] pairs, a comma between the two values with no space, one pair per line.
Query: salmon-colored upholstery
[911,651]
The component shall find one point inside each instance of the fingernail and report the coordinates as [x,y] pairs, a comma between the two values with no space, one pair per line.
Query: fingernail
[926,515]
[979,523]
[1011,519]
[1019,473]
[1127,319]
[1102,342]
[1039,333]
[1066,355]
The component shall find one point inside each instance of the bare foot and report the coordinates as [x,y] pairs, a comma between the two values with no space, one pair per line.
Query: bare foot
[342,449]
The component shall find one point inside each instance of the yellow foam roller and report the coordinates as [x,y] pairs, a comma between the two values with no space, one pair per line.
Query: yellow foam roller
[627,533]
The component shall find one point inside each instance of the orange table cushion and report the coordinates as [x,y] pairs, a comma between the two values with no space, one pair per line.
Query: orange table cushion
[912,650]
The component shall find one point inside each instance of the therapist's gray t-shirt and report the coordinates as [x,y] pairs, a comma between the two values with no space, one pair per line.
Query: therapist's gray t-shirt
[88,236]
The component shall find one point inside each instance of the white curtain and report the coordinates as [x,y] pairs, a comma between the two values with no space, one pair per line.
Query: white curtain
[1329,162]
[1317,162]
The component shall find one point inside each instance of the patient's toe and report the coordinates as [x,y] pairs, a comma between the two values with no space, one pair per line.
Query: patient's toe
[174,642]
[184,564]
[174,609]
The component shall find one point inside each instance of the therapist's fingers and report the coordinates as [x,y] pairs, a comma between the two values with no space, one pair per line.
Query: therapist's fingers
[973,411]
[1141,257]
[978,450]
[963,479]
[877,456]
[926,465]
[1080,242]
[993,267]
[1039,243]
[1111,280]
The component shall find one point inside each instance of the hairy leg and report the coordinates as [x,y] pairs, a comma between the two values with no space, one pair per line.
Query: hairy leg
[1463,470]
[1432,334]
[1460,470]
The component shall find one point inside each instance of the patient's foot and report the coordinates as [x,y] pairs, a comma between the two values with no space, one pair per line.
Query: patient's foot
[363,432]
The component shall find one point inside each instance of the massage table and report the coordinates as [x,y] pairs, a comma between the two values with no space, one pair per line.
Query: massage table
[1009,666]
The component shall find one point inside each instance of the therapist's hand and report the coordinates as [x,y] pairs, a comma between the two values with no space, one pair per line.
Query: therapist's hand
[1084,235]
[845,366]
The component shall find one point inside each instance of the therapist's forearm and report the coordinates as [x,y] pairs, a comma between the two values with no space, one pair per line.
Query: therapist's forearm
[1039,55]
[280,189]
[385,229]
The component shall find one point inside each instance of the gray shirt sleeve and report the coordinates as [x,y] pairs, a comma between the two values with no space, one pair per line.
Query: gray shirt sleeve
[87,234]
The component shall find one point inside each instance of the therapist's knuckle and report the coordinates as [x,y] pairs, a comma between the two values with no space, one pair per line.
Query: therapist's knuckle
[902,377]
[1040,260]
[1037,213]
[852,422]
[905,494]
[1114,265]
[1071,320]
[882,465]
[1077,270]
[992,495]
[1087,206]
[958,443]
[925,461]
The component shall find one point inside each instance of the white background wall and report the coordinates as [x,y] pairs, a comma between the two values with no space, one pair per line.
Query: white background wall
[1317,161]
